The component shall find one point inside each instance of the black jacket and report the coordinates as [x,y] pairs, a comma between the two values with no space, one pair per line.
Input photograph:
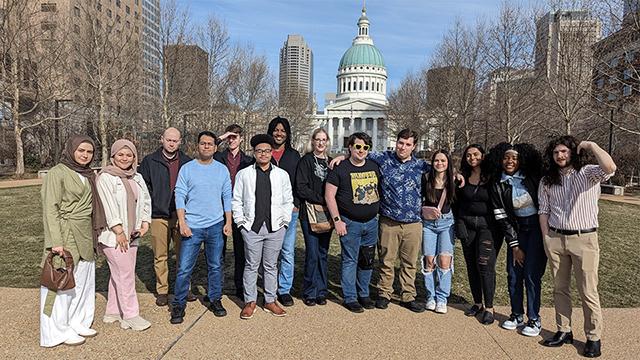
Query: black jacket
[245,160]
[155,172]
[309,187]
[289,163]
[503,211]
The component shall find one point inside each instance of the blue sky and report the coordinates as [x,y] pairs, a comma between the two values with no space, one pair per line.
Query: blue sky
[405,31]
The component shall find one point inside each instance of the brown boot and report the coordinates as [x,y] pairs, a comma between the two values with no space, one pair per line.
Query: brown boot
[274,309]
[248,310]
[162,300]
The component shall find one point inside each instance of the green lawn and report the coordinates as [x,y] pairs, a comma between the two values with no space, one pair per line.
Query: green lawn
[21,241]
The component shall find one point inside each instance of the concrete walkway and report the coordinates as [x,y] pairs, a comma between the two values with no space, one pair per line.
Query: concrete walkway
[329,332]
[6,184]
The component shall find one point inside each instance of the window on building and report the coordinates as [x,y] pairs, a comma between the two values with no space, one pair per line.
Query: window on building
[612,97]
[99,6]
[76,11]
[600,83]
[366,86]
[76,28]
[48,26]
[118,18]
[118,3]
[630,56]
[109,13]
[127,9]
[48,7]
[613,62]
[627,90]
[360,85]
[627,74]
[377,86]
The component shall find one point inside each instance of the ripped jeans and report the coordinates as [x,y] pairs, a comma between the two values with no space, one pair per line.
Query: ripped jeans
[437,240]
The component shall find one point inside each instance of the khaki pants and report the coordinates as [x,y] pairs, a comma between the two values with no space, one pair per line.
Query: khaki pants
[398,240]
[582,253]
[162,232]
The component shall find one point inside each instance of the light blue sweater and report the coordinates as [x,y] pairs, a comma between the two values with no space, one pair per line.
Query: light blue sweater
[204,191]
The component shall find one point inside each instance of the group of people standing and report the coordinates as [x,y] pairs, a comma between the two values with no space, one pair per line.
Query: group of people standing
[390,203]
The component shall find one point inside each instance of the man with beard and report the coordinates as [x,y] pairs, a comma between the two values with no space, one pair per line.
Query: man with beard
[286,157]
[568,212]
[160,172]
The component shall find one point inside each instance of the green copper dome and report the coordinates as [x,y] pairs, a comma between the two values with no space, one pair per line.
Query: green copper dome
[362,54]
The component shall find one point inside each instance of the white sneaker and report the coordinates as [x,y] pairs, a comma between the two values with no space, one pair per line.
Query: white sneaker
[111,318]
[441,308]
[135,323]
[75,340]
[533,328]
[514,322]
[431,305]
[84,331]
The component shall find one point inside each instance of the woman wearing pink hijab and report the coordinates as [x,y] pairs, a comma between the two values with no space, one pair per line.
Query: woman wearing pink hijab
[127,208]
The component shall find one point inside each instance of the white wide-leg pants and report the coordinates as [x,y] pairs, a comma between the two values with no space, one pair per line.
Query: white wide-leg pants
[72,309]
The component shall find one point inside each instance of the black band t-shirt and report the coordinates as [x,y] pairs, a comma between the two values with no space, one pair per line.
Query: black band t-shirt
[358,194]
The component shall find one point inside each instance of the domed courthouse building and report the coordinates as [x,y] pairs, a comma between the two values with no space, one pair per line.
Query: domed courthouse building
[360,102]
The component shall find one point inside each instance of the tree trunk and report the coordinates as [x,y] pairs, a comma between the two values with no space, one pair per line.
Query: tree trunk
[102,127]
[17,132]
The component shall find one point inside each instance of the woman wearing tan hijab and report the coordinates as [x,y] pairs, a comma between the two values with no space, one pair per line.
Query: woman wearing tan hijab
[127,208]
[69,199]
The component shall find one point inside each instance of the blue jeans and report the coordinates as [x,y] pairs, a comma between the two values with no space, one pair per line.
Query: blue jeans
[438,239]
[352,277]
[287,256]
[189,249]
[315,262]
[529,275]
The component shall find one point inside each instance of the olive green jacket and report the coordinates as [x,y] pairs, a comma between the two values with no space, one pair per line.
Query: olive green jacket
[66,208]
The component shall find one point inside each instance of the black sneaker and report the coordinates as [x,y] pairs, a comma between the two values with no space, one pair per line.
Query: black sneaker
[473,311]
[217,309]
[354,307]
[309,301]
[366,303]
[321,300]
[382,303]
[487,317]
[285,300]
[177,314]
[413,305]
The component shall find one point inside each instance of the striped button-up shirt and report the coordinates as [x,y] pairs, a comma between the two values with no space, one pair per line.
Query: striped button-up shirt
[573,205]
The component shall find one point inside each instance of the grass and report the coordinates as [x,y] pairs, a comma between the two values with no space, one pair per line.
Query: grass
[21,239]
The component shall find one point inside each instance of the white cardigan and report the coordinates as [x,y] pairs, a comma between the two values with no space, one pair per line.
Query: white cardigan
[114,201]
[244,198]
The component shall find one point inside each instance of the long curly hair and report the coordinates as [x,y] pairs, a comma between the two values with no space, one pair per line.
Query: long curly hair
[466,169]
[529,159]
[551,169]
[429,185]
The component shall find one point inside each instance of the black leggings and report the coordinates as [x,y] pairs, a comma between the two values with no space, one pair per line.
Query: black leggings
[480,253]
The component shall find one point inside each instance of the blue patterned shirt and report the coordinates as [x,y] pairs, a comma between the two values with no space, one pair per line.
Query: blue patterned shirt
[400,186]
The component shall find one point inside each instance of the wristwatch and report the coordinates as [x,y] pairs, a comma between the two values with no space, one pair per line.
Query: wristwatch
[336,219]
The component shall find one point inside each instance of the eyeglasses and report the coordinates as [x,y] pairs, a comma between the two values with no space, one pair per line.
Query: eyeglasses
[361,147]
[207,144]
[320,140]
[262,151]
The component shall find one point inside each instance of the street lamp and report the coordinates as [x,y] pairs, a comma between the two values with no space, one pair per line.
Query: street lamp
[56,129]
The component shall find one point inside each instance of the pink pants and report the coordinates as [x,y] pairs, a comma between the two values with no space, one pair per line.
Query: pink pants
[122,298]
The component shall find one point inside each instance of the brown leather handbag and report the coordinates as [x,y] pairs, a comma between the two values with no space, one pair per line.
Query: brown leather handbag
[58,278]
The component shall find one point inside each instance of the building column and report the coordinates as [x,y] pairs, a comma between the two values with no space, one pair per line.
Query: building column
[375,133]
[340,134]
[330,129]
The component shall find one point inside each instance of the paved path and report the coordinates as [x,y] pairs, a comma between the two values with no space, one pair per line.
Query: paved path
[5,184]
[328,332]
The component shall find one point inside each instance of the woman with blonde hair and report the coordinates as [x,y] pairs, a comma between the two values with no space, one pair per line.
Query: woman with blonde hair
[310,180]
[127,207]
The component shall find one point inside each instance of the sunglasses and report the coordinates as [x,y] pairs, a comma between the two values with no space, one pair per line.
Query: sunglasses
[361,147]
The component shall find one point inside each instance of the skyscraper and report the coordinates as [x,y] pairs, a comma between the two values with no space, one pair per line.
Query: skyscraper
[296,70]
[187,74]
[564,36]
[151,47]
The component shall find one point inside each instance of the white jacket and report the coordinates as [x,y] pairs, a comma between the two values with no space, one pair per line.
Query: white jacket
[114,201]
[244,198]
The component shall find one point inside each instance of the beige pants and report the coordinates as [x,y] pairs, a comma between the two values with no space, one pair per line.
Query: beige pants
[162,232]
[582,254]
[398,240]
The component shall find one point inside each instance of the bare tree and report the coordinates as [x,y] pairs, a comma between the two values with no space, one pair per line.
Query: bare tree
[296,107]
[452,83]
[32,48]
[408,104]
[512,90]
[107,71]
